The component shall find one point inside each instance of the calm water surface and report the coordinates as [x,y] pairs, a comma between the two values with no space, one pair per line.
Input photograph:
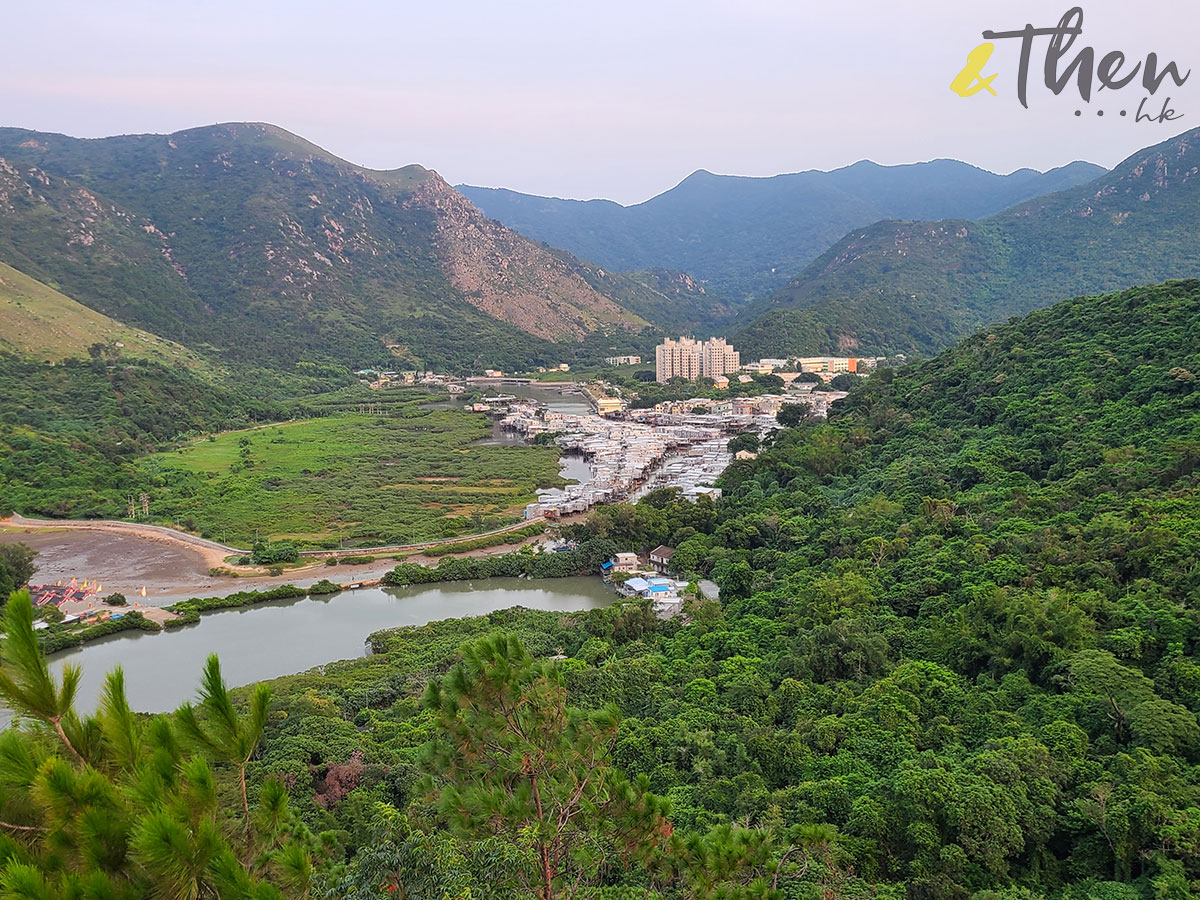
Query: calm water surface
[281,638]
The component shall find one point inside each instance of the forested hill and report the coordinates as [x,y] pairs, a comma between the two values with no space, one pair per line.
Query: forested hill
[900,286]
[954,658]
[981,574]
[747,236]
[249,239]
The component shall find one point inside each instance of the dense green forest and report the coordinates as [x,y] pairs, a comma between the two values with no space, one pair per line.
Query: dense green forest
[954,657]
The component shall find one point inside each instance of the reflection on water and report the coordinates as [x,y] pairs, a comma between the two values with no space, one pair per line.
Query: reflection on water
[280,638]
[575,468]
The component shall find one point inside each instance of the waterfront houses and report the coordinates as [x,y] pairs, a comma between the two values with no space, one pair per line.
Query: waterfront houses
[625,458]
[677,444]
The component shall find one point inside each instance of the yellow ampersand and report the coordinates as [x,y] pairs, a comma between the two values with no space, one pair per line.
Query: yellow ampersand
[970,81]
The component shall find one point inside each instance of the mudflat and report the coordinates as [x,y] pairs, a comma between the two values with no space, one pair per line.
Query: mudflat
[123,563]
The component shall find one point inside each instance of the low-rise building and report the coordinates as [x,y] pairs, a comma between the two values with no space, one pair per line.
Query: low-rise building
[636,587]
[628,360]
[608,406]
[660,558]
[626,562]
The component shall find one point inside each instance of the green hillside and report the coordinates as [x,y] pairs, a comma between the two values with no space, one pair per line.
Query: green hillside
[744,237]
[38,322]
[252,241]
[71,431]
[954,658]
[915,287]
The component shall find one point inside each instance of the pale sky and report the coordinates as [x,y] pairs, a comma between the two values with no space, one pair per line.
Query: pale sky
[576,99]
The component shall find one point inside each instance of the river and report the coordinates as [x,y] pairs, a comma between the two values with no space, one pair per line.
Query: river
[572,466]
[284,637]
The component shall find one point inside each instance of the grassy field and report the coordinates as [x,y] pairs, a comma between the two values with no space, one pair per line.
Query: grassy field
[356,479]
[39,322]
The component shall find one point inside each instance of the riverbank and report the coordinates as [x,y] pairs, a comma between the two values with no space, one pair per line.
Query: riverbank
[98,621]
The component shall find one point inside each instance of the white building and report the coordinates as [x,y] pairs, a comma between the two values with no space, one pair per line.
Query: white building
[690,359]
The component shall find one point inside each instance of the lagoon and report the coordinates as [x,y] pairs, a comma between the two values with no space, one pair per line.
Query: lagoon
[289,636]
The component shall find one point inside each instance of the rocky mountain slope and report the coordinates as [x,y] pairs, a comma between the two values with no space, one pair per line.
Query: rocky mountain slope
[255,242]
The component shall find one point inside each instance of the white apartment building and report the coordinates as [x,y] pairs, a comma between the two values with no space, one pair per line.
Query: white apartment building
[691,359]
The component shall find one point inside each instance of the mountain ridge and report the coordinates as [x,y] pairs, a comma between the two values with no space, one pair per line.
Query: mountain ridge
[218,235]
[746,235]
[916,286]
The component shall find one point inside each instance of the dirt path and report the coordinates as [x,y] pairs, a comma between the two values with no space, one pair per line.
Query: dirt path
[126,557]
[212,552]
[216,553]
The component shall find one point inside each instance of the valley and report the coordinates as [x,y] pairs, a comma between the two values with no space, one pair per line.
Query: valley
[928,534]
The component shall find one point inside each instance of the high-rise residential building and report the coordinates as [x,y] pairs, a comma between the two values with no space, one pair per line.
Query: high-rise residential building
[691,359]
[677,359]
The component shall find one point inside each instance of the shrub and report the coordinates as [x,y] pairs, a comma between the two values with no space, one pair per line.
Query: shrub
[59,637]
[508,565]
[270,554]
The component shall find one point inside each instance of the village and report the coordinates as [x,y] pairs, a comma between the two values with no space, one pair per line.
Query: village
[675,444]
[631,578]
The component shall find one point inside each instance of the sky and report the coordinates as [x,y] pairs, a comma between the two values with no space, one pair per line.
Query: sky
[578,99]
